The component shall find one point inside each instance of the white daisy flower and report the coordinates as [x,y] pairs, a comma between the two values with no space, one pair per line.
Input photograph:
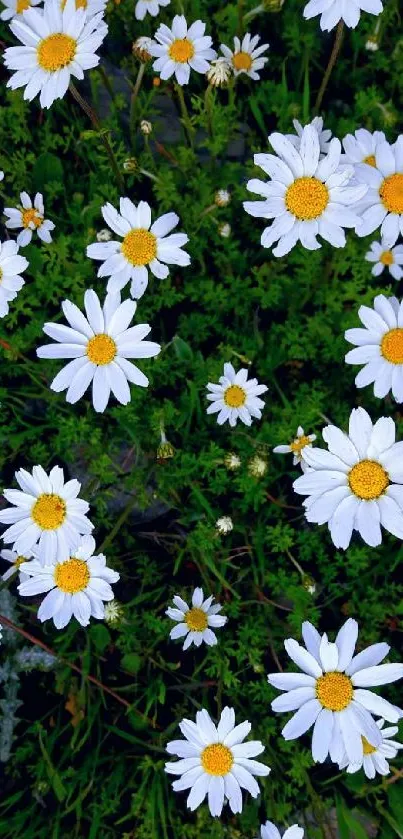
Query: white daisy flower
[179,49]
[332,11]
[219,72]
[307,195]
[30,216]
[331,692]
[375,758]
[383,204]
[361,146]
[246,57]
[1,175]
[15,561]
[323,133]
[56,46]
[144,244]
[216,762]
[270,831]
[386,257]
[16,7]
[196,624]
[47,513]
[100,346]
[298,446]
[76,586]
[357,484]
[224,525]
[91,7]
[114,612]
[235,397]
[11,282]
[150,7]
[379,347]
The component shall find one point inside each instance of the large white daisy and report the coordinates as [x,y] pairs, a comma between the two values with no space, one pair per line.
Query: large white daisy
[331,692]
[383,256]
[11,282]
[77,585]
[361,146]
[323,133]
[144,245]
[382,206]
[180,49]
[47,513]
[375,758]
[216,762]
[379,346]
[149,7]
[307,196]
[15,561]
[196,624]
[100,345]
[30,216]
[270,831]
[246,57]
[235,397]
[357,483]
[332,11]
[16,7]
[91,7]
[298,447]
[56,46]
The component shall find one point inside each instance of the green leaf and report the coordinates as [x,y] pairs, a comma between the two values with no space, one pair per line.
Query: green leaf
[100,637]
[47,168]
[131,662]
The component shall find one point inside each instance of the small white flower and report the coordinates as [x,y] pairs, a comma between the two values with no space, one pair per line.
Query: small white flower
[361,146]
[144,245]
[224,524]
[150,7]
[375,758]
[179,49]
[298,446]
[382,206]
[146,127]
[76,585]
[104,235]
[113,613]
[232,461]
[331,692]
[219,72]
[16,7]
[270,831]
[141,48]
[257,466]
[16,561]
[196,624]
[215,762]
[47,513]
[372,44]
[323,133]
[379,346]
[100,345]
[246,57]
[224,230]
[386,257]
[235,397]
[307,195]
[332,11]
[11,266]
[56,46]
[357,483]
[30,216]
[222,197]
[1,175]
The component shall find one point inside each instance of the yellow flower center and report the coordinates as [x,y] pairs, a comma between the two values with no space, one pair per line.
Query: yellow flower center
[242,61]
[387,258]
[181,50]
[49,511]
[307,198]
[368,480]
[391,193]
[80,4]
[139,246]
[19,561]
[56,51]
[101,349]
[334,691]
[1,274]
[299,443]
[196,620]
[22,6]
[217,759]
[370,160]
[367,747]
[72,576]
[31,216]
[392,346]
[234,396]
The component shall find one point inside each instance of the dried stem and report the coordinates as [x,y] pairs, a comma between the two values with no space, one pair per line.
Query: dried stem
[332,61]
[96,122]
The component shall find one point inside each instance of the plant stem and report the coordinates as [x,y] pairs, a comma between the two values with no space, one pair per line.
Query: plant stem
[133,99]
[209,112]
[96,122]
[185,114]
[332,61]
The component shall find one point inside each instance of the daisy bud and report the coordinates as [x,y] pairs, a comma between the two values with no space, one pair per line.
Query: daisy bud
[273,5]
[104,235]
[224,525]
[113,613]
[257,466]
[222,197]
[309,584]
[232,461]
[165,450]
[219,72]
[140,48]
[130,165]
[372,44]
[224,230]
[146,126]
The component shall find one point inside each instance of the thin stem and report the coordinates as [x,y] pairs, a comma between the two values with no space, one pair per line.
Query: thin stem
[209,110]
[96,122]
[332,61]
[6,622]
[185,115]
[133,99]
